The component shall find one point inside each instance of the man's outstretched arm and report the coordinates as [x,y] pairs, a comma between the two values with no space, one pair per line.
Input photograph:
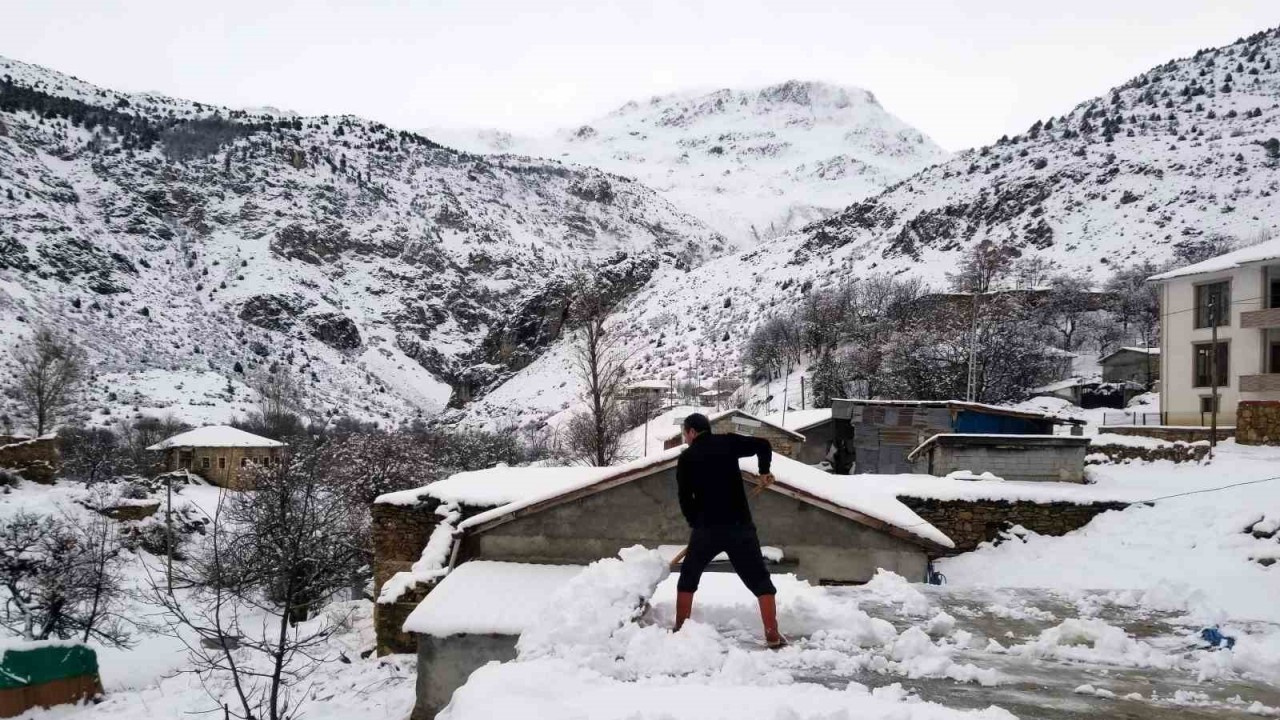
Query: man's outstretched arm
[744,446]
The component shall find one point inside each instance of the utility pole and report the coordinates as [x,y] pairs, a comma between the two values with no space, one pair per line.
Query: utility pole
[785,382]
[802,392]
[1213,374]
[971,387]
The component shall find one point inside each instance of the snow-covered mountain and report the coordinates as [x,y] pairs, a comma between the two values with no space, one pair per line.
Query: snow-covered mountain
[754,164]
[191,247]
[1186,153]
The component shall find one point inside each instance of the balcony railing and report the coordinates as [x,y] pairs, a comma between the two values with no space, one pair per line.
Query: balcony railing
[1269,318]
[1260,383]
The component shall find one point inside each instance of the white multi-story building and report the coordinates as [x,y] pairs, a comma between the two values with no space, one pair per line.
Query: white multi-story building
[1240,291]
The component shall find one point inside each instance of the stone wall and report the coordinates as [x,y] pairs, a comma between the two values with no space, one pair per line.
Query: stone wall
[400,532]
[1258,422]
[1172,433]
[35,459]
[971,522]
[1178,452]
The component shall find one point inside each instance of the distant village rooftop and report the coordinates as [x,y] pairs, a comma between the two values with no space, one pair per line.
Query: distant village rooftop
[841,408]
[1262,252]
[737,415]
[216,436]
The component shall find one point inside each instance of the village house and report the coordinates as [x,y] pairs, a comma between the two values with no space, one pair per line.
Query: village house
[654,393]
[885,432]
[1239,294]
[818,526]
[1132,365]
[785,442]
[220,454]
[827,441]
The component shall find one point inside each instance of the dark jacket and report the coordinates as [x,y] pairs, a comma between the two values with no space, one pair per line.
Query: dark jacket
[710,480]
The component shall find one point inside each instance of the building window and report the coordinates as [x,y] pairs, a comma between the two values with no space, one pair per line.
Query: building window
[1213,299]
[1273,300]
[1202,364]
[204,463]
[222,463]
[244,462]
[1207,404]
[1273,357]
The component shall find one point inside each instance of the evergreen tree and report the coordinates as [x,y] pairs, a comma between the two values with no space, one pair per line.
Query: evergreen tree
[827,378]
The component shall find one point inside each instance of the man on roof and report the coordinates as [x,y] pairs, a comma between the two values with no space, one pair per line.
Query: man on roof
[715,505]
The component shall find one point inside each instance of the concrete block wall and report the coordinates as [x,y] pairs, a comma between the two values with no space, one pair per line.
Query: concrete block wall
[1034,463]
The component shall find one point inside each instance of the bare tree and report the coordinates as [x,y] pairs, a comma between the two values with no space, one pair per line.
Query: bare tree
[601,368]
[1065,310]
[983,266]
[61,578]
[277,553]
[90,454]
[50,368]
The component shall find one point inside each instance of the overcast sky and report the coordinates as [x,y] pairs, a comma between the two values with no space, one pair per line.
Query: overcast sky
[964,71]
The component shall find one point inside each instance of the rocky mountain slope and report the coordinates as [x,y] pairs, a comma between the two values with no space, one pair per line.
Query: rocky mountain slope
[194,248]
[754,164]
[1184,154]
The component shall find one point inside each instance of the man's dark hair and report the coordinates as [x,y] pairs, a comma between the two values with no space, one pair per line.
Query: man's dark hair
[697,422]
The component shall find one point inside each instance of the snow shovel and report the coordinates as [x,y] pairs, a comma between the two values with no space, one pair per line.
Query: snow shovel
[759,488]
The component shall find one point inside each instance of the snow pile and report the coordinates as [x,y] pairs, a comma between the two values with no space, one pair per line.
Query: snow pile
[1093,640]
[581,620]
[1139,441]
[893,588]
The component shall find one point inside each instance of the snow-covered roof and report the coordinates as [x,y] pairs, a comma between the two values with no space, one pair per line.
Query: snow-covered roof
[965,405]
[1263,251]
[799,420]
[674,431]
[497,485]
[862,503]
[488,597]
[1060,385]
[1001,438]
[216,436]
[578,482]
[649,385]
[1138,350]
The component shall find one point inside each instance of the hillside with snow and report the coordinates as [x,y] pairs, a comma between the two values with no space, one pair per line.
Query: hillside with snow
[1182,155]
[192,248]
[752,163]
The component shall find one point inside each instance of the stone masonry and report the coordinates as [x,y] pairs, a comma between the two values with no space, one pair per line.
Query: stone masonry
[1178,452]
[35,459]
[971,522]
[1172,433]
[1258,422]
[399,534]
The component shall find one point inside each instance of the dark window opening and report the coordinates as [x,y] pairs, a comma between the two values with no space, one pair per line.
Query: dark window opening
[204,463]
[1207,403]
[1273,296]
[1213,301]
[222,463]
[1202,364]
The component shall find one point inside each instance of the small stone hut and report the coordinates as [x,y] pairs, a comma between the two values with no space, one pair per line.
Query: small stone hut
[818,526]
[827,441]
[785,442]
[220,454]
[1029,458]
[1131,364]
[886,431]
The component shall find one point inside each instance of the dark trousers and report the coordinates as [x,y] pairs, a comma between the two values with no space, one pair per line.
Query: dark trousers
[741,545]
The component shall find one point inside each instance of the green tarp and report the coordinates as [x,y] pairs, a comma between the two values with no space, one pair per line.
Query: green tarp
[20,667]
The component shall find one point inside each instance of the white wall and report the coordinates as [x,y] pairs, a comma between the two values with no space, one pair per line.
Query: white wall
[1178,399]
